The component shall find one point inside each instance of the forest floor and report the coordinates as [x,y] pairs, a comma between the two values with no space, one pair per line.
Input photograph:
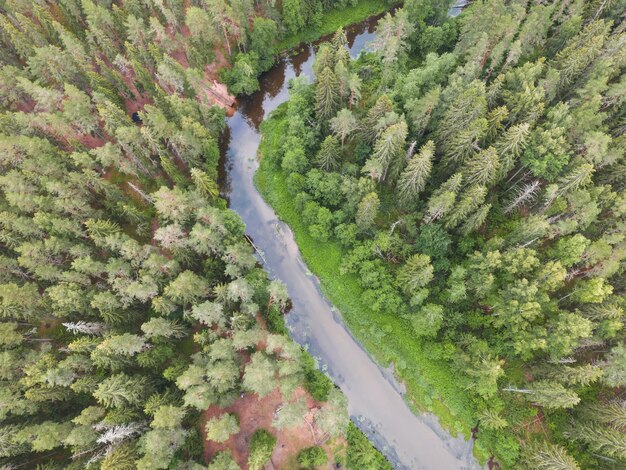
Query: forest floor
[256,413]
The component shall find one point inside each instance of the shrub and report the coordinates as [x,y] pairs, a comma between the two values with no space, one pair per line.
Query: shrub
[261,447]
[361,454]
[220,429]
[312,457]
[316,382]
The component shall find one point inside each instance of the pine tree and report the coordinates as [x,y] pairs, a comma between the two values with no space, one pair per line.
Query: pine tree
[468,201]
[475,220]
[492,419]
[442,200]
[260,449]
[601,439]
[223,461]
[329,154]
[333,418]
[389,150]
[120,390]
[354,85]
[204,183]
[546,456]
[483,168]
[367,211]
[382,106]
[326,94]
[224,21]
[415,176]
[416,273]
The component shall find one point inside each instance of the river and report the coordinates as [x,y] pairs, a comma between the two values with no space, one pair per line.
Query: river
[375,399]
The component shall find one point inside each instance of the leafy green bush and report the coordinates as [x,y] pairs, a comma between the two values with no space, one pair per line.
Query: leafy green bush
[261,447]
[361,455]
[276,321]
[312,457]
[315,381]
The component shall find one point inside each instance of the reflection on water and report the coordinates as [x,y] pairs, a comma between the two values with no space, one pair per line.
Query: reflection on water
[375,399]
[273,91]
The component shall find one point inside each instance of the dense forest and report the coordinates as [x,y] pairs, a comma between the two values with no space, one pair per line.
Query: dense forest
[137,328]
[461,192]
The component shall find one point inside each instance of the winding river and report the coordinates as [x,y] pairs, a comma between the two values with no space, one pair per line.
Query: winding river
[375,398]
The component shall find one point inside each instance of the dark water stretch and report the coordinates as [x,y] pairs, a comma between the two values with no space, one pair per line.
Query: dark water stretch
[374,396]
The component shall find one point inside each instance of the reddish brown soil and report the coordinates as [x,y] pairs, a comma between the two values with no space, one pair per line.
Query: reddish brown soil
[220,61]
[255,413]
[534,425]
[91,142]
[180,56]
[137,104]
[26,106]
[216,92]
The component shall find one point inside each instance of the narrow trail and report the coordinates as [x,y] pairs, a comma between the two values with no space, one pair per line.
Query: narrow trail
[376,401]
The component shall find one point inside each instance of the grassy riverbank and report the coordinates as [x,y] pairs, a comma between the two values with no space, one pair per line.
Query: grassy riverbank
[335,19]
[431,385]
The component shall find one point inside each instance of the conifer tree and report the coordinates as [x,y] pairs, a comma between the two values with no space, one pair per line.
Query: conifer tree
[483,168]
[389,150]
[329,154]
[544,456]
[326,94]
[415,176]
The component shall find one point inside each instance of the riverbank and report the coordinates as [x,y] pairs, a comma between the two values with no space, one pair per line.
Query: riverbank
[333,20]
[431,385]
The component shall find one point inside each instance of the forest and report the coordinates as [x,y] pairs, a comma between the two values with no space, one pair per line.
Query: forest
[459,189]
[460,192]
[137,328]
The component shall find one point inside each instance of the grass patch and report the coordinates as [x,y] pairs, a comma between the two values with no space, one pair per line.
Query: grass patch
[335,19]
[431,384]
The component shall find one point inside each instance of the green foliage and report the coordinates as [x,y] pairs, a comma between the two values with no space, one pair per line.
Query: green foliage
[115,245]
[332,19]
[549,456]
[316,382]
[290,415]
[220,429]
[361,454]
[333,418]
[242,78]
[510,219]
[110,251]
[416,273]
[260,449]
[312,457]
[223,461]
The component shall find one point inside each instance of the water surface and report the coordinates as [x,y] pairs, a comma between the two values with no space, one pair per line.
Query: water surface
[375,399]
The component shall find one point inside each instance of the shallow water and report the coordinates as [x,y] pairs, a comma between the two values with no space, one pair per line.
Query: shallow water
[374,396]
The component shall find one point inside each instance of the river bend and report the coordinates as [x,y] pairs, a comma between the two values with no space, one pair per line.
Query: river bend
[375,400]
